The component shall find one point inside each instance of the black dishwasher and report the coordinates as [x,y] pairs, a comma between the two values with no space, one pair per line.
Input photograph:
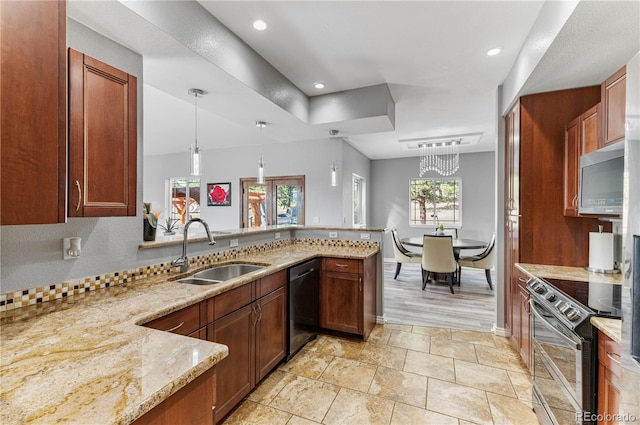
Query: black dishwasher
[304,287]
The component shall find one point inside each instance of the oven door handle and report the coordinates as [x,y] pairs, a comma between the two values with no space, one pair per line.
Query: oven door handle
[576,344]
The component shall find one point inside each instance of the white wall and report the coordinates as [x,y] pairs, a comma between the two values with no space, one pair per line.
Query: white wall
[354,163]
[390,196]
[311,158]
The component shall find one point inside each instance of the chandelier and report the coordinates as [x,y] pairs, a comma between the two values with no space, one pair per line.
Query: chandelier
[442,158]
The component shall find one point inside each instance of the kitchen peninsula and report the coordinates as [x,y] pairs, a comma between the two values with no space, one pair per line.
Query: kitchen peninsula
[82,358]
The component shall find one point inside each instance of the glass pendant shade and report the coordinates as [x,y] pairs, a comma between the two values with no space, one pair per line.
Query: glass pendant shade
[196,160]
[260,171]
[334,175]
[260,179]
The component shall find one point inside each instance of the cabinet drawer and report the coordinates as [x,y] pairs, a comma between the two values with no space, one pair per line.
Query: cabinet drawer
[342,265]
[232,300]
[270,283]
[182,322]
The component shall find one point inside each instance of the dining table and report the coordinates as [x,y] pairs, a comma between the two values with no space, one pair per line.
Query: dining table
[458,245]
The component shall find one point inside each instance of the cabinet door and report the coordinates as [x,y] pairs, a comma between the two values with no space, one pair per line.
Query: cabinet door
[571,167]
[525,326]
[512,198]
[102,139]
[191,405]
[608,378]
[341,302]
[271,331]
[590,131]
[236,372]
[613,108]
[33,102]
[512,251]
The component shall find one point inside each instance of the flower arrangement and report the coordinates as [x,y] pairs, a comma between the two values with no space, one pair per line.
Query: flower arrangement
[150,215]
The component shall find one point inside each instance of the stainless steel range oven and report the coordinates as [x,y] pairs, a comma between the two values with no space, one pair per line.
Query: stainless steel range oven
[565,347]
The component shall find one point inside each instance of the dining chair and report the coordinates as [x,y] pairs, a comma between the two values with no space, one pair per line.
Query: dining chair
[402,254]
[484,260]
[438,257]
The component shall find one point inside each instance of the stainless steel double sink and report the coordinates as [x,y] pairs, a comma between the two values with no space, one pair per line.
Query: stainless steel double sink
[219,274]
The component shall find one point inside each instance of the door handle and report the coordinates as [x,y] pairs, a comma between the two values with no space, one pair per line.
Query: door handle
[79,195]
[179,325]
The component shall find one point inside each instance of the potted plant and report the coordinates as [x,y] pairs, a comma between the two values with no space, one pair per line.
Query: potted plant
[150,222]
[170,226]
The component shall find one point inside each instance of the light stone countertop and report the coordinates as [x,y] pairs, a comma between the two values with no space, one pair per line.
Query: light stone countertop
[83,359]
[568,273]
[610,327]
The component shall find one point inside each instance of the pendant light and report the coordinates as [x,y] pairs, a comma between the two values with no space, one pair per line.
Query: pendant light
[195,154]
[261,125]
[334,168]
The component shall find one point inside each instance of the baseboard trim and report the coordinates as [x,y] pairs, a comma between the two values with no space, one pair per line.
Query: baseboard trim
[380,320]
[500,331]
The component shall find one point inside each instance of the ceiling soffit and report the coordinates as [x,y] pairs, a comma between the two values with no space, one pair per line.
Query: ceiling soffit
[370,108]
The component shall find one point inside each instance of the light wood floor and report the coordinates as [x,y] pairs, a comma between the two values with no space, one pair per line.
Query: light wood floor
[472,307]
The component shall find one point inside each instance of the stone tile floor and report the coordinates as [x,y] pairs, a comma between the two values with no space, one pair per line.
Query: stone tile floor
[402,375]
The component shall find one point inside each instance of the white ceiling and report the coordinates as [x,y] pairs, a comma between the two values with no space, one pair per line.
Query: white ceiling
[432,55]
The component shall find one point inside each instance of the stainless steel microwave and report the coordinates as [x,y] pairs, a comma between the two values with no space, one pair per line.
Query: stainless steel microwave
[601,182]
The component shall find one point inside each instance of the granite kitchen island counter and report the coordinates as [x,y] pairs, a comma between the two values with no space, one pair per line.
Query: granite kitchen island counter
[84,359]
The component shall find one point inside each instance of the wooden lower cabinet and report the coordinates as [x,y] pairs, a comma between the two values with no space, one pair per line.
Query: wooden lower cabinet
[521,317]
[193,404]
[348,295]
[256,334]
[608,379]
[271,332]
[236,376]
[341,302]
[525,327]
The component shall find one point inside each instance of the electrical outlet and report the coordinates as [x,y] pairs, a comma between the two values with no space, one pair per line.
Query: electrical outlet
[316,220]
[333,235]
[233,242]
[66,248]
[277,235]
[365,236]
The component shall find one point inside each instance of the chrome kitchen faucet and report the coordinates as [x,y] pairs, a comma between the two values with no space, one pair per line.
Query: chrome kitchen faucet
[183,261]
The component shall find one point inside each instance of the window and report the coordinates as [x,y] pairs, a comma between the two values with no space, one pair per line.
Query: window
[434,202]
[359,201]
[279,201]
[184,198]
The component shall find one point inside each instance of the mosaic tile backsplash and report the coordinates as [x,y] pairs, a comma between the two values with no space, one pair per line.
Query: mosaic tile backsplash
[41,294]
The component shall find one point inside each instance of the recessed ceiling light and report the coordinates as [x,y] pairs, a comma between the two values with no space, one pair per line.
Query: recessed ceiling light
[319,85]
[494,51]
[259,25]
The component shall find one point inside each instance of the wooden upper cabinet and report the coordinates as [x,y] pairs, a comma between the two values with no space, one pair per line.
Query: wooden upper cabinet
[613,107]
[33,99]
[102,139]
[590,130]
[571,166]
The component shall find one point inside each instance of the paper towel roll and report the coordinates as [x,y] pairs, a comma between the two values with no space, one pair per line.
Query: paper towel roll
[601,251]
